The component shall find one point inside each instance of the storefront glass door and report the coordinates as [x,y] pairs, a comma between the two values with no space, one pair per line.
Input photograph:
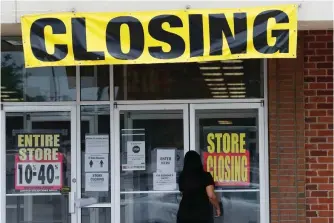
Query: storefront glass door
[39,149]
[230,139]
[150,142]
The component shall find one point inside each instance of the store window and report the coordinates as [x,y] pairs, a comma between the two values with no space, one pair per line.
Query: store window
[228,142]
[234,79]
[95,122]
[159,137]
[94,83]
[32,84]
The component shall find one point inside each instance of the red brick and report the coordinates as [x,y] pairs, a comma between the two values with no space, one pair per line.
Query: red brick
[317,45]
[317,99]
[325,173]
[325,213]
[311,166]
[315,58]
[324,105]
[318,153]
[312,72]
[311,214]
[325,79]
[324,52]
[325,146]
[317,32]
[318,113]
[325,133]
[317,85]
[309,52]
[318,139]
[325,92]
[325,159]
[317,126]
[325,119]
[324,65]
[326,38]
[310,65]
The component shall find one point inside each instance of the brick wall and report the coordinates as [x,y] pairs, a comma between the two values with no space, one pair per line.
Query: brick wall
[286,138]
[318,75]
[301,132]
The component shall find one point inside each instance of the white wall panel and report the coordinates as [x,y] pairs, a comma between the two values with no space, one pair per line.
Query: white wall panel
[8,11]
[309,11]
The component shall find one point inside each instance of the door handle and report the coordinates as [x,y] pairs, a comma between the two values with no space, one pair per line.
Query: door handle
[72,203]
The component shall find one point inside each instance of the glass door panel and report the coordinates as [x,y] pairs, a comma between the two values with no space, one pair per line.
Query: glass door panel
[229,142]
[39,164]
[151,144]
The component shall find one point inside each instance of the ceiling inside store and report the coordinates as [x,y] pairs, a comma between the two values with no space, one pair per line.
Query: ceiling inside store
[219,79]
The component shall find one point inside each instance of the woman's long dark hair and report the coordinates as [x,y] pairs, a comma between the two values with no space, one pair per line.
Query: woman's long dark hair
[192,172]
[192,163]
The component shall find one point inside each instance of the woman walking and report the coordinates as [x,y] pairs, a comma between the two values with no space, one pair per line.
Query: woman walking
[197,188]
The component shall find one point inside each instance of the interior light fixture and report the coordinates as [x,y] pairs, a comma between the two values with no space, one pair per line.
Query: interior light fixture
[236,84]
[224,122]
[238,96]
[5,96]
[209,68]
[3,87]
[8,92]
[214,79]
[235,67]
[236,88]
[234,74]
[220,96]
[14,42]
[212,74]
[231,61]
[237,92]
[218,92]
[11,99]
[215,84]
[218,88]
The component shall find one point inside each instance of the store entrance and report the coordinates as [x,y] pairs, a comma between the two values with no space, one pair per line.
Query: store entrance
[46,149]
[40,148]
[146,180]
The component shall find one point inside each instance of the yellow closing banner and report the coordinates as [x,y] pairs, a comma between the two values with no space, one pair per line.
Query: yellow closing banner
[68,39]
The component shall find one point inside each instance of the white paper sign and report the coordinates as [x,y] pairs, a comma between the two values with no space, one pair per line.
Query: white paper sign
[97,182]
[166,160]
[97,143]
[135,156]
[179,160]
[164,181]
[96,162]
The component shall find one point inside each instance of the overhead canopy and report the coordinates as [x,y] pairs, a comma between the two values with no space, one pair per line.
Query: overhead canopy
[67,39]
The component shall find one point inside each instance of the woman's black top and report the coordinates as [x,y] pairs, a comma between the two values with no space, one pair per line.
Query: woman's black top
[195,205]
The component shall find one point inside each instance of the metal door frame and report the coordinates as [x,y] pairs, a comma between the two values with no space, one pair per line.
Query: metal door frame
[141,107]
[74,171]
[263,151]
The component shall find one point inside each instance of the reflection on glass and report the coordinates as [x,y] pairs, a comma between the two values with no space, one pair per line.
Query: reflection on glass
[228,143]
[95,215]
[96,121]
[94,83]
[155,133]
[239,207]
[38,122]
[32,84]
[151,207]
[37,209]
[232,79]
